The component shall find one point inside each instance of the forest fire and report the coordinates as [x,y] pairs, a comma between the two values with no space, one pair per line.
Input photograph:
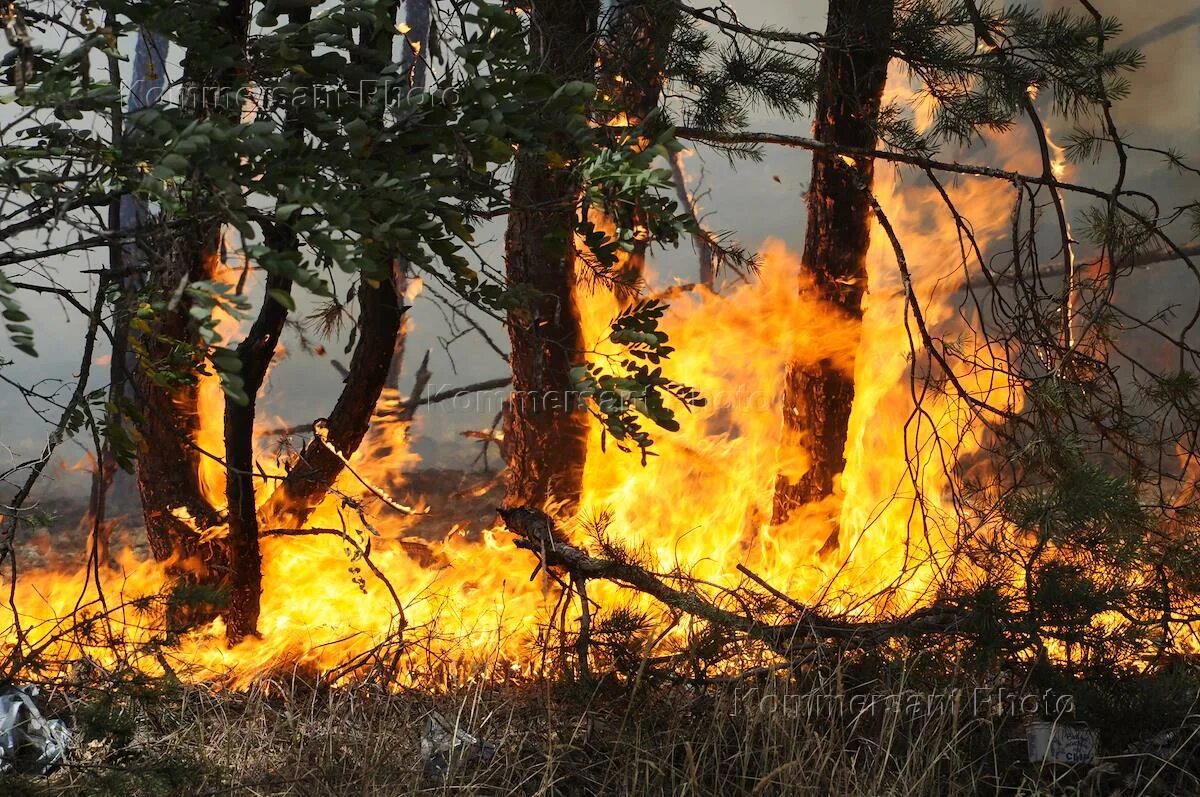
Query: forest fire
[918,421]
[703,506]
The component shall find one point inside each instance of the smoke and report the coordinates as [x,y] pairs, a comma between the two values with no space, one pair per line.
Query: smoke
[1164,101]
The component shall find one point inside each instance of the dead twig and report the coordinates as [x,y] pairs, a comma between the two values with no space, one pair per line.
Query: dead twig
[408,409]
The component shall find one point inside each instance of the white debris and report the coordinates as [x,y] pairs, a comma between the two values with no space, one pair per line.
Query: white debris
[1061,743]
[29,743]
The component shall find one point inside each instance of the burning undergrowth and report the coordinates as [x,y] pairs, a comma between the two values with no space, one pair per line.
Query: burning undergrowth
[876,513]
[956,515]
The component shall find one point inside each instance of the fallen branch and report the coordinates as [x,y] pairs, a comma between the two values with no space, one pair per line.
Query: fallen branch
[537,533]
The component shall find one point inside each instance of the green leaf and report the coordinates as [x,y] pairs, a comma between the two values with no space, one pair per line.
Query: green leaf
[283,298]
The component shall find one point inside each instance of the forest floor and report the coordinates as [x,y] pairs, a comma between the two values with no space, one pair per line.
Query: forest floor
[905,723]
[287,735]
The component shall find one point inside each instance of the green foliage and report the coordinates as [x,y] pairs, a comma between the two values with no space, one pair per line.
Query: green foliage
[339,155]
[20,334]
[1115,231]
[1075,558]
[1081,505]
[621,391]
[360,176]
[979,87]
[182,362]
[121,445]
[622,181]
[720,80]
[207,299]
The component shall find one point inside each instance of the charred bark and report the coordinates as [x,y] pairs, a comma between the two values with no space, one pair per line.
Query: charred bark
[318,466]
[545,430]
[174,505]
[817,399]
[255,353]
[245,558]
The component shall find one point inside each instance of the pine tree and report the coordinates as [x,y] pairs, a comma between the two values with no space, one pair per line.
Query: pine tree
[817,401]
[545,432]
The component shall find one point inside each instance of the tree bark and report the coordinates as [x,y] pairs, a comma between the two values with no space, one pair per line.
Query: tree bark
[176,510]
[544,428]
[817,399]
[245,559]
[314,472]
[316,469]
[174,505]
[255,352]
[418,18]
[127,213]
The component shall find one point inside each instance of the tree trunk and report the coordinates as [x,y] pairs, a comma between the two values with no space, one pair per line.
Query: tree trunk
[817,399]
[174,504]
[245,558]
[255,352]
[127,260]
[418,18]
[317,467]
[545,431]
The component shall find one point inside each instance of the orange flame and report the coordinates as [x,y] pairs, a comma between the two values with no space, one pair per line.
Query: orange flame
[703,505]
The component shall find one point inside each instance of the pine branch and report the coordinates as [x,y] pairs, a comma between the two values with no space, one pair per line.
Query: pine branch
[763,34]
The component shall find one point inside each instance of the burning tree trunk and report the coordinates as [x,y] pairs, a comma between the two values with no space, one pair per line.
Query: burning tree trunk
[174,502]
[255,354]
[817,399]
[545,433]
[313,475]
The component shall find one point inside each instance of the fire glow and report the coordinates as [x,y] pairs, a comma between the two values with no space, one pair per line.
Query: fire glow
[702,506]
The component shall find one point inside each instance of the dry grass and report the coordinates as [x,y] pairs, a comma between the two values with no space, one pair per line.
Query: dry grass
[763,736]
